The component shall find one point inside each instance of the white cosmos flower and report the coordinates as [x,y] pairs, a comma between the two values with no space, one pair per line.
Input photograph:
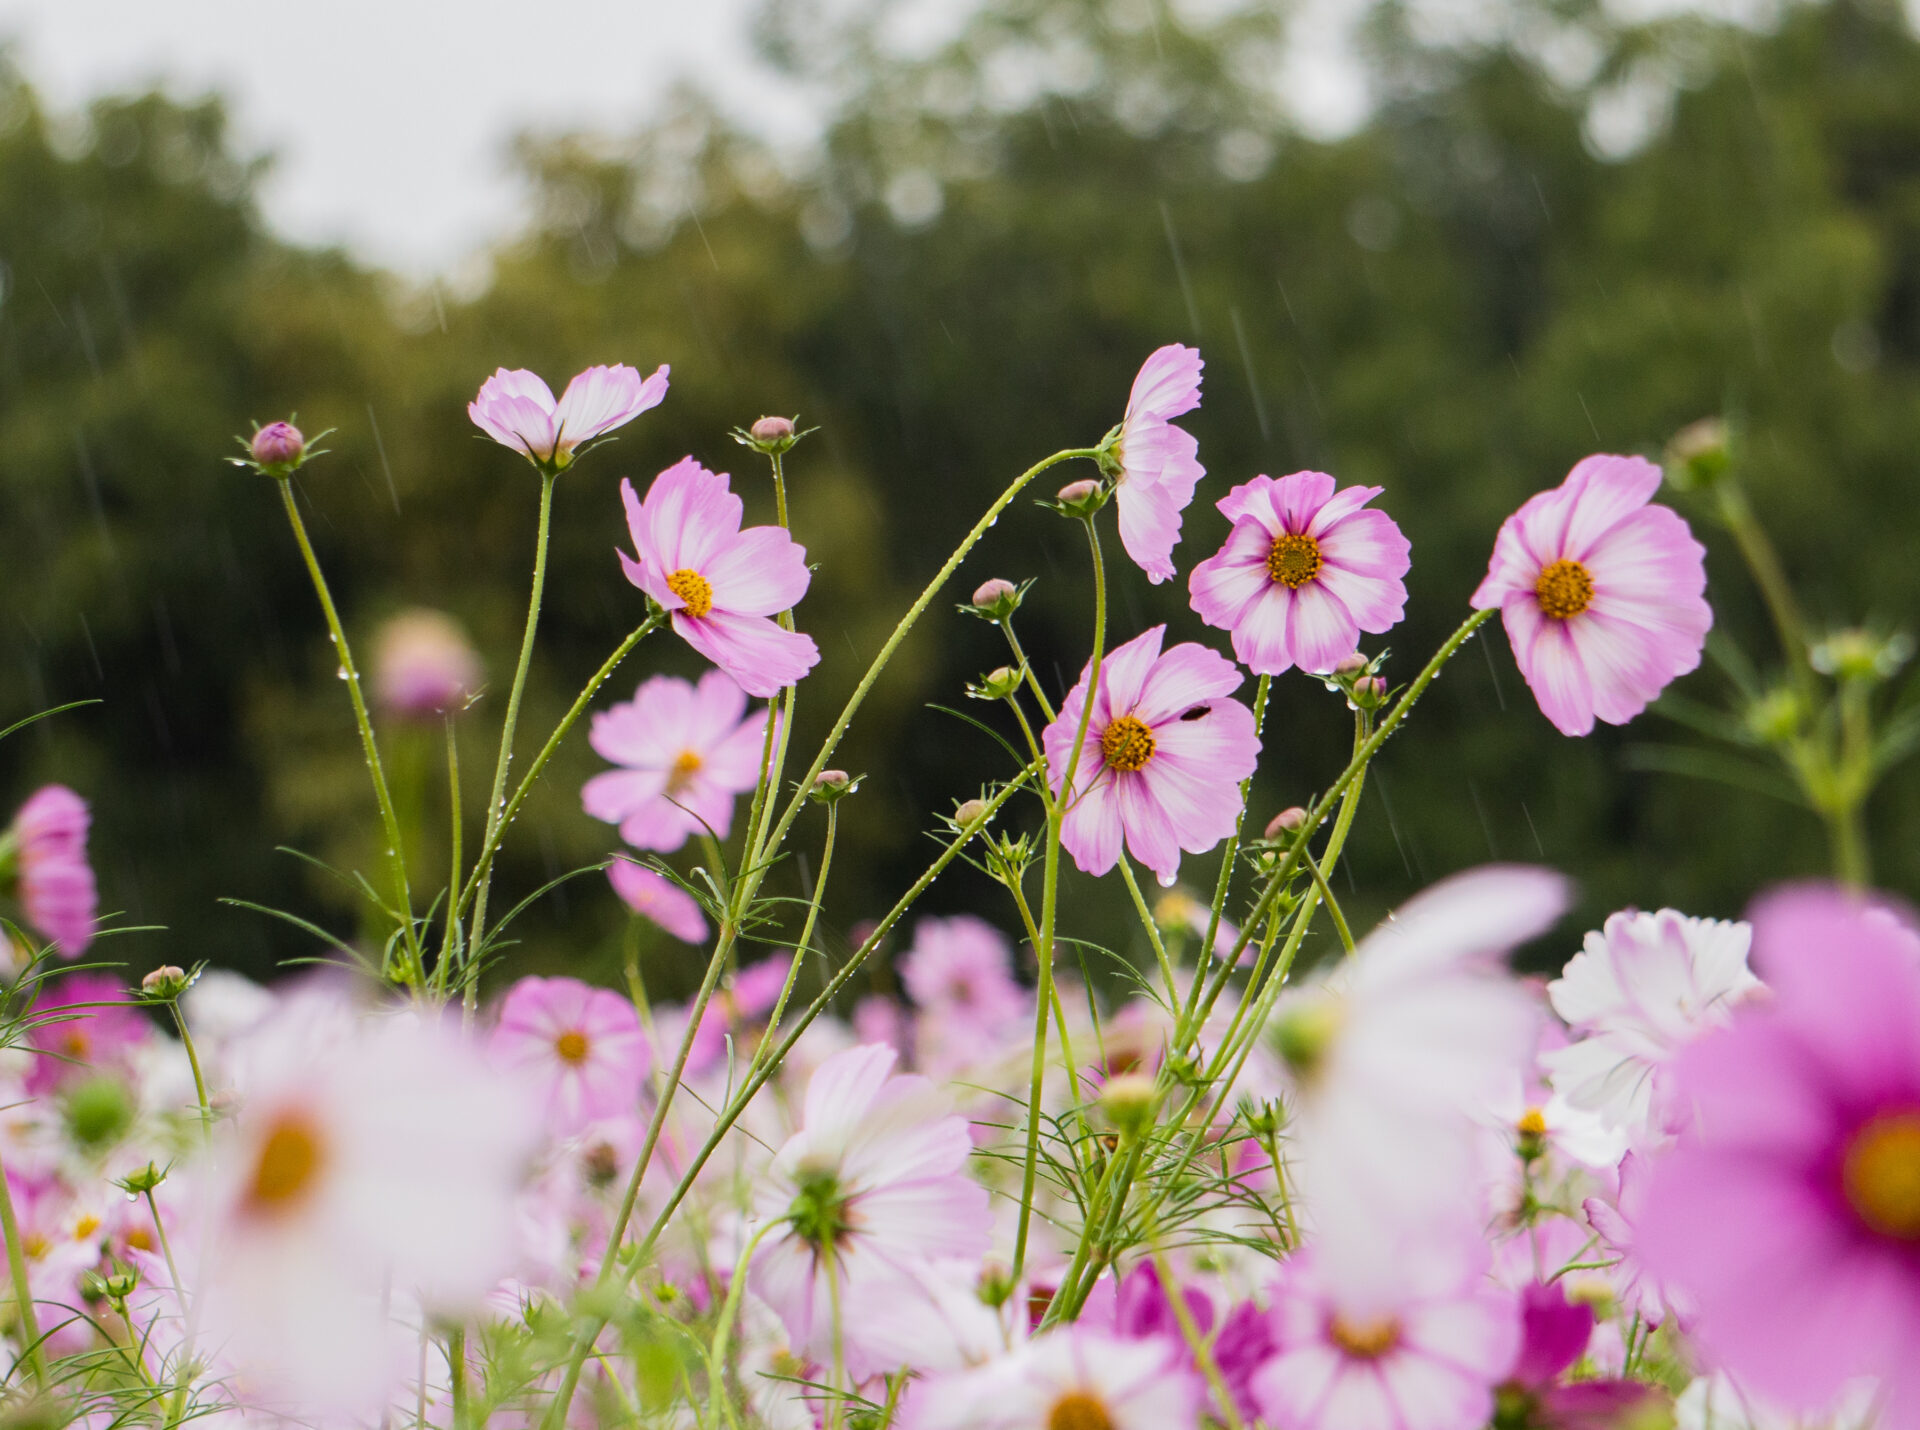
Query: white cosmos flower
[1393,1055]
[1640,989]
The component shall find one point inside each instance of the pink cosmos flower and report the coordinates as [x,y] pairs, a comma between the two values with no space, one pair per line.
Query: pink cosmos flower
[873,1196]
[736,1009]
[1601,593]
[1640,990]
[580,1047]
[1789,1213]
[517,409]
[654,896]
[424,665]
[723,585]
[1429,1362]
[1303,572]
[56,882]
[1159,463]
[1164,756]
[686,750]
[1075,1377]
[960,970]
[79,1038]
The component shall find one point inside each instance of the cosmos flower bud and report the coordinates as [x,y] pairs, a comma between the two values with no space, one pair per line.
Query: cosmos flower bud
[278,444]
[995,600]
[1350,665]
[1127,1101]
[996,684]
[772,429]
[165,982]
[1369,692]
[1082,498]
[970,813]
[142,1180]
[832,785]
[1286,821]
[1700,454]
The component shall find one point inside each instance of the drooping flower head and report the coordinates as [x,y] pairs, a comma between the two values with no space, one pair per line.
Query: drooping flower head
[579,1047]
[517,409]
[1305,570]
[424,665]
[1158,462]
[1428,1361]
[1601,593]
[723,585]
[873,1194]
[685,750]
[1075,1378]
[1163,759]
[1393,1056]
[49,837]
[1640,990]
[1788,1214]
[655,897]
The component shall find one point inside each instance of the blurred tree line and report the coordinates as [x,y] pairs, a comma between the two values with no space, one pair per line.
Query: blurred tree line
[1556,234]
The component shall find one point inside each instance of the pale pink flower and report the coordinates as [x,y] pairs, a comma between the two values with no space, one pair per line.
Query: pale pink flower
[578,1047]
[1159,463]
[1429,1361]
[1601,593]
[1788,1213]
[960,970]
[1400,1048]
[872,1193]
[740,1004]
[1164,756]
[1304,571]
[424,665]
[1640,990]
[1614,1220]
[723,585]
[655,897]
[1074,1377]
[686,751]
[517,409]
[49,834]
[83,1022]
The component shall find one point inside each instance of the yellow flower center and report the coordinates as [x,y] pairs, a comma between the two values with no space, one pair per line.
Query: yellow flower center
[692,588]
[1532,1123]
[685,766]
[1366,1340]
[1565,589]
[1077,1410]
[1881,1175]
[290,1163]
[1293,560]
[85,1225]
[573,1047]
[1127,744]
[140,1239]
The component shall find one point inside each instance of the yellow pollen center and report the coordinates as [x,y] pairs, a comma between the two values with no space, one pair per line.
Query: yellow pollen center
[1881,1175]
[35,1245]
[573,1047]
[1367,1340]
[685,766]
[290,1162]
[1127,744]
[1565,589]
[1293,560]
[85,1226]
[140,1239]
[692,588]
[1077,1410]
[1532,1123]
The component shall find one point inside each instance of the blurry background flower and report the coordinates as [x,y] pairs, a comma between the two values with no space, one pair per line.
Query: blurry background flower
[424,665]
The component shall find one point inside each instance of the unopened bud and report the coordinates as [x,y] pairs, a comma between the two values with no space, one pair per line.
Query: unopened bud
[1286,821]
[772,429]
[1127,1101]
[769,436]
[831,785]
[1350,664]
[1369,692]
[970,813]
[278,444]
[1078,491]
[142,1180]
[997,684]
[995,600]
[165,982]
[1304,1029]
[1775,717]
[1700,454]
[991,591]
[1861,655]
[1082,498]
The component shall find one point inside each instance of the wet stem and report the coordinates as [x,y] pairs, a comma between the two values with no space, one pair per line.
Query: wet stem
[22,1290]
[389,818]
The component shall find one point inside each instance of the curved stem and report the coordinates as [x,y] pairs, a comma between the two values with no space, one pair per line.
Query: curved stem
[383,797]
[22,1288]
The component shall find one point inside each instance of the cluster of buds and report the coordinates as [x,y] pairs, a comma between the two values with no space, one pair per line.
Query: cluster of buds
[1358,678]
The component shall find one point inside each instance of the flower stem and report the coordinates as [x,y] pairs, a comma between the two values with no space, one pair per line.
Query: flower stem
[22,1291]
[806,935]
[389,817]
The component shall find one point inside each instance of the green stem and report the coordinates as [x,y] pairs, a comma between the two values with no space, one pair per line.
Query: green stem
[1223,884]
[457,1371]
[22,1291]
[806,934]
[389,816]
[455,833]
[1756,549]
[193,1062]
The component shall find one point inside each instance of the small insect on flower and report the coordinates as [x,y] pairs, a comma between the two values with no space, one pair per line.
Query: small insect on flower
[517,409]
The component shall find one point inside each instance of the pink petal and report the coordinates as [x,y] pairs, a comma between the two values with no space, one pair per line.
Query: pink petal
[1551,666]
[1227,585]
[1124,672]
[1091,830]
[1252,501]
[762,657]
[1168,382]
[1153,494]
[1185,676]
[1339,507]
[1149,826]
[616,794]
[1320,630]
[1604,491]
[1297,499]
[602,398]
[760,572]
[687,513]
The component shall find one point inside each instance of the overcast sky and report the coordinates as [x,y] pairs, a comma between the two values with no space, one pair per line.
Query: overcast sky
[390,117]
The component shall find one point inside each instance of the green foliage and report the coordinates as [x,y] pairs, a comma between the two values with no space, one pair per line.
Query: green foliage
[1455,302]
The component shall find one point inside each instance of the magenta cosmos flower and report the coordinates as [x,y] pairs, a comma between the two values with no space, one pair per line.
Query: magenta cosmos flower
[517,409]
[1159,463]
[1304,571]
[656,898]
[686,751]
[49,836]
[580,1047]
[873,1194]
[1788,1215]
[1163,759]
[723,585]
[1601,593]
[1429,1363]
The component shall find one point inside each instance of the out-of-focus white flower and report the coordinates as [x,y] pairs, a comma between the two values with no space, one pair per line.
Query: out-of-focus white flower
[1640,989]
[1392,1056]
